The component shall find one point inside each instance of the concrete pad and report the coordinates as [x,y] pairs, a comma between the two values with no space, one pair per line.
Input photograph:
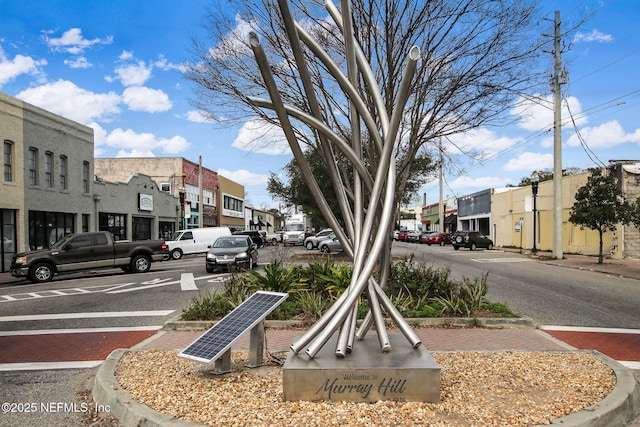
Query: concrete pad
[366,375]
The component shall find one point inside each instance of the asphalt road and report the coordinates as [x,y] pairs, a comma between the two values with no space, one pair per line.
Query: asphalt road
[112,300]
[548,294]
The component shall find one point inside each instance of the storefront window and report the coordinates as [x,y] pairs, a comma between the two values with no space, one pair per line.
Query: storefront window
[115,223]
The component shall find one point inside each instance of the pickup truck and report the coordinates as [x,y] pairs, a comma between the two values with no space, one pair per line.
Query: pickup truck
[88,251]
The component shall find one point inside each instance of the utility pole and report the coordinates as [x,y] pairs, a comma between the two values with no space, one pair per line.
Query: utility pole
[200,195]
[557,142]
[440,207]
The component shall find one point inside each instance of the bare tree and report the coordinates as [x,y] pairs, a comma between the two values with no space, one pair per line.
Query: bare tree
[478,56]
[351,86]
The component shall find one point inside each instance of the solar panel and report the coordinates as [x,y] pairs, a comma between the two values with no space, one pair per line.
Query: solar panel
[219,339]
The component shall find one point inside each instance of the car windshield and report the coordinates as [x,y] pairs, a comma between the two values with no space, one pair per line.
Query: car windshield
[61,242]
[294,227]
[230,242]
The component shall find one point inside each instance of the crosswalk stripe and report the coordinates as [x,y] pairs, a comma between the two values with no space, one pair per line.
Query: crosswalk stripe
[41,366]
[91,315]
[79,330]
[589,329]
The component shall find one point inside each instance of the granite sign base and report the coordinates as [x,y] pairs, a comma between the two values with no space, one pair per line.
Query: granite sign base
[365,375]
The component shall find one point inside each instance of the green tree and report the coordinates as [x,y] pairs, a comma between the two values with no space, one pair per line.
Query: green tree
[600,206]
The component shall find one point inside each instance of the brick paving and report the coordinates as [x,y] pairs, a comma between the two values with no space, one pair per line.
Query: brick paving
[434,339]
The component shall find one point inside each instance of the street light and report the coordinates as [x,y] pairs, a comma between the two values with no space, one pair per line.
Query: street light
[534,190]
[182,192]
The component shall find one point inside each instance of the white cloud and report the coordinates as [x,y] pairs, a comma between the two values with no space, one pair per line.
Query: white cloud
[529,161]
[465,182]
[165,65]
[481,140]
[78,62]
[132,74]
[20,64]
[244,177]
[197,117]
[257,136]
[140,98]
[135,153]
[536,113]
[236,43]
[593,36]
[68,100]
[73,42]
[131,142]
[606,135]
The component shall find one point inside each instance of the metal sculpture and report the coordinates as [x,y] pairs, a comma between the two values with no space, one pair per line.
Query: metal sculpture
[368,213]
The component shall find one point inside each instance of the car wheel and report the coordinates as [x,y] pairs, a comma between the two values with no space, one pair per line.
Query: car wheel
[309,245]
[176,254]
[274,242]
[442,243]
[140,264]
[251,263]
[455,248]
[209,269]
[473,246]
[458,239]
[325,249]
[41,273]
[489,246]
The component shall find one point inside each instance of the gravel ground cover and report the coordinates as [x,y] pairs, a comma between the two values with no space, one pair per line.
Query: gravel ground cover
[508,388]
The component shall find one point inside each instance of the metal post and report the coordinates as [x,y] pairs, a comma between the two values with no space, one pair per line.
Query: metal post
[534,190]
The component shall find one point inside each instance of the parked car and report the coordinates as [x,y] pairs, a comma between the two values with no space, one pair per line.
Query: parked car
[274,238]
[238,251]
[255,236]
[311,242]
[471,240]
[395,234]
[194,241]
[413,237]
[330,246]
[437,238]
[87,251]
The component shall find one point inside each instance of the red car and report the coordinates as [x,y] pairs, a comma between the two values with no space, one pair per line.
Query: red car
[402,235]
[437,239]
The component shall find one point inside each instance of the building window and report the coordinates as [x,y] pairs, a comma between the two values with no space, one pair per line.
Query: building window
[114,223]
[48,169]
[63,172]
[85,177]
[33,166]
[166,187]
[45,228]
[8,159]
[232,206]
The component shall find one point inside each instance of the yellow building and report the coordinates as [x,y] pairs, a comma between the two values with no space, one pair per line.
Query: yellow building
[512,217]
[231,195]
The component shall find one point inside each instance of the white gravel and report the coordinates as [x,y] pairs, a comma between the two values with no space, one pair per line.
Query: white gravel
[477,389]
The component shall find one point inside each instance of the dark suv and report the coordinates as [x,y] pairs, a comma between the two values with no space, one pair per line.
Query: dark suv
[255,235]
[471,240]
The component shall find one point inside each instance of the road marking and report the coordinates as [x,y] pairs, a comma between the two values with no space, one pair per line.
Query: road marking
[40,366]
[499,260]
[90,315]
[79,330]
[589,329]
[187,282]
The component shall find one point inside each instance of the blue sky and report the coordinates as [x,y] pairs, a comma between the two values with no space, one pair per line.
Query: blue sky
[114,65]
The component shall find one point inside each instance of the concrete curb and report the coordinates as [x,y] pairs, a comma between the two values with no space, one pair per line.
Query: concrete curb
[107,391]
[176,324]
[618,408]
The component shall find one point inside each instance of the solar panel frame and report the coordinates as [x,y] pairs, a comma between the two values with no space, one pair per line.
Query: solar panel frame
[220,337]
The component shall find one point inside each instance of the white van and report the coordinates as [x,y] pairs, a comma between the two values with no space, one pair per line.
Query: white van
[194,241]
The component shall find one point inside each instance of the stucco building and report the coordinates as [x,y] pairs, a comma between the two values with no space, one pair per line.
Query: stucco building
[221,197]
[48,189]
